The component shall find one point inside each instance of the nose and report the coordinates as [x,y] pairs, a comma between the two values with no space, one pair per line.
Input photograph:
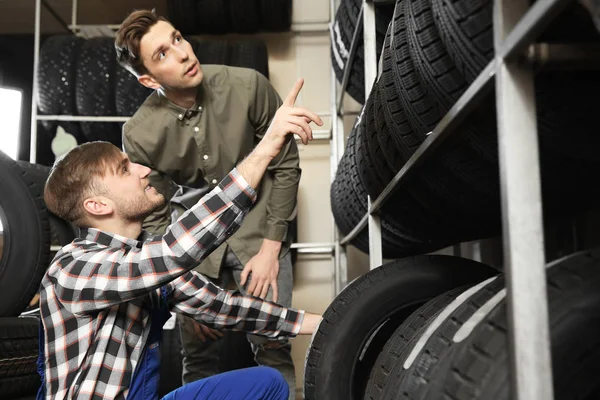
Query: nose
[142,170]
[181,53]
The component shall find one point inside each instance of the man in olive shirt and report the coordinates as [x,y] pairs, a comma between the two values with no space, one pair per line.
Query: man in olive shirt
[198,124]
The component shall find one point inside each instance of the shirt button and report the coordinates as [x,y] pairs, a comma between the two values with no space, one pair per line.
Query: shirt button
[199,108]
[196,129]
[214,181]
[206,157]
[180,116]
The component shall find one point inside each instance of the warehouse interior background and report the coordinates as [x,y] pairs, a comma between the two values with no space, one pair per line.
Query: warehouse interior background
[303,52]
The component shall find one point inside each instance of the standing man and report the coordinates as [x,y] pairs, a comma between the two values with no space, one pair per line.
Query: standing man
[197,125]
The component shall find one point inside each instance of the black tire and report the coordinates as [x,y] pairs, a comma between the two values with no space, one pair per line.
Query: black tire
[214,16]
[477,367]
[26,237]
[171,360]
[411,374]
[341,40]
[275,15]
[129,93]
[397,347]
[18,355]
[435,67]
[56,79]
[465,27]
[61,231]
[357,324]
[96,70]
[213,52]
[245,16]
[251,53]
[183,15]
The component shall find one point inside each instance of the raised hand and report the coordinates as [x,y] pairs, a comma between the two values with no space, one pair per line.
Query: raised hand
[289,119]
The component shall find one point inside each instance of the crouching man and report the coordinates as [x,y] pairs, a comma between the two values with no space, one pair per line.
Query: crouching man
[106,295]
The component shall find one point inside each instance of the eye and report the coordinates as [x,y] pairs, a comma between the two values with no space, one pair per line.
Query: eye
[178,39]
[162,55]
[125,170]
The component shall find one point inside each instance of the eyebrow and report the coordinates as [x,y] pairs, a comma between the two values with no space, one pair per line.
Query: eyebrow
[124,161]
[174,33]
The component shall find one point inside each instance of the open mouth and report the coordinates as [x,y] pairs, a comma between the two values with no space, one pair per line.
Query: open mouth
[191,71]
[148,188]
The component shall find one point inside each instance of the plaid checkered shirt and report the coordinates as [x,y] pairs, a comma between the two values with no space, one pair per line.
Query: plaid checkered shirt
[97,295]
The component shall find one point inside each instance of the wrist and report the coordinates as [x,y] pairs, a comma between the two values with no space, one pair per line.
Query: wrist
[269,246]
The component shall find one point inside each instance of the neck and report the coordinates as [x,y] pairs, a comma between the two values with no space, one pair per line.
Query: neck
[128,229]
[183,97]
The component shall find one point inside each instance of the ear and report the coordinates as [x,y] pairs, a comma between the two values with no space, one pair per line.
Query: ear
[149,82]
[98,205]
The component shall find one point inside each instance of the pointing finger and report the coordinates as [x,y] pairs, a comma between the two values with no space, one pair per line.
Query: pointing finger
[290,99]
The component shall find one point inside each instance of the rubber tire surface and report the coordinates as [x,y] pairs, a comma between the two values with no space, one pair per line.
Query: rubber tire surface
[213,16]
[397,347]
[213,52]
[26,248]
[251,53]
[183,15]
[96,70]
[18,352]
[477,367]
[56,79]
[245,16]
[61,231]
[276,15]
[129,93]
[392,291]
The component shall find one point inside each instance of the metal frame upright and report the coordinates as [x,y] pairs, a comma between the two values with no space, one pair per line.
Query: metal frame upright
[516,26]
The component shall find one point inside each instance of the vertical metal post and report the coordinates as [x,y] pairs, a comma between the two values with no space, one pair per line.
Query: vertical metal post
[74,14]
[340,268]
[375,248]
[34,89]
[522,216]
[370,56]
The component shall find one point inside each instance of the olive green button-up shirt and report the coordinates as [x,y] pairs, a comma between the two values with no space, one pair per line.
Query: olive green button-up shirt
[197,147]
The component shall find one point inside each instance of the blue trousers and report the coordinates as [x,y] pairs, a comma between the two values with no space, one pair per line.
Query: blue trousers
[257,383]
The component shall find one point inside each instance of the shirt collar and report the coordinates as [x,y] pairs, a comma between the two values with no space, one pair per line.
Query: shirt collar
[180,112]
[112,239]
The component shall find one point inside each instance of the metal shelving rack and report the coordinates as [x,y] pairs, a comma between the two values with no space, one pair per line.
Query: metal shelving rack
[516,26]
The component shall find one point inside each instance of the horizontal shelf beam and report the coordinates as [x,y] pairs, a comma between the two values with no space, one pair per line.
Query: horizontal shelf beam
[530,26]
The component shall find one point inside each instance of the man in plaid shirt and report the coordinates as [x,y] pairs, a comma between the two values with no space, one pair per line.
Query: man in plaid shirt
[106,295]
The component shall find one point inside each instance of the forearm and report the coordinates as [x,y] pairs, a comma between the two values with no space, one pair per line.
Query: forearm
[253,167]
[282,201]
[194,296]
[131,272]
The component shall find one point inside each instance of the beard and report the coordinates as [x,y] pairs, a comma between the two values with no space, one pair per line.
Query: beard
[139,208]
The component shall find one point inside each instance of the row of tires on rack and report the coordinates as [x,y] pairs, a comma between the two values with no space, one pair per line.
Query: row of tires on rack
[230,16]
[82,77]
[431,52]
[435,327]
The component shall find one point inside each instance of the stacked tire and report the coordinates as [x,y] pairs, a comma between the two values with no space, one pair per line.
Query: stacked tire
[230,16]
[81,77]
[432,51]
[24,256]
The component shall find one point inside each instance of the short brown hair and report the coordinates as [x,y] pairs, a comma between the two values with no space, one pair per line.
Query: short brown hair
[129,36]
[74,177]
